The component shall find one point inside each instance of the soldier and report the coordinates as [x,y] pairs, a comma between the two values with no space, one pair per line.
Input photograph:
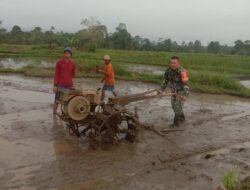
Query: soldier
[176,79]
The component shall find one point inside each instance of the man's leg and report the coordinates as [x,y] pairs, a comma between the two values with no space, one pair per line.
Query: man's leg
[103,94]
[182,117]
[173,104]
[57,96]
[114,92]
[177,106]
[55,107]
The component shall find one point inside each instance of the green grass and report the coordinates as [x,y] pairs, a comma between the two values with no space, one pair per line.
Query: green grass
[230,180]
[209,73]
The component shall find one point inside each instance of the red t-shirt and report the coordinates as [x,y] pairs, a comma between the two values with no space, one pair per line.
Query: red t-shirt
[64,73]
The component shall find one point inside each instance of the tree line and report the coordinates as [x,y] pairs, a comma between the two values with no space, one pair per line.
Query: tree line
[95,35]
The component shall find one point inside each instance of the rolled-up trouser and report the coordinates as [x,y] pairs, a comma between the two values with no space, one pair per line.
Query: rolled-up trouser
[110,88]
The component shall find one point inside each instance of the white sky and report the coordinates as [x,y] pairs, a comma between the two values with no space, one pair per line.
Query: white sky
[180,20]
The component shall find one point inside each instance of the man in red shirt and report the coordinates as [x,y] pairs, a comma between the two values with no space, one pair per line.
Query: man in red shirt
[64,74]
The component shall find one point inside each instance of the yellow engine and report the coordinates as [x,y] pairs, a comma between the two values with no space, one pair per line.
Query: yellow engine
[77,104]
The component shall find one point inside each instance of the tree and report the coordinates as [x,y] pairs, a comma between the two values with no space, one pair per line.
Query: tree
[213,47]
[122,26]
[37,30]
[167,45]
[137,43]
[70,42]
[16,35]
[247,47]
[175,46]
[183,47]
[52,29]
[121,39]
[90,22]
[225,49]
[95,33]
[16,30]
[2,32]
[164,45]
[197,47]
[191,47]
[147,45]
[238,47]
[37,36]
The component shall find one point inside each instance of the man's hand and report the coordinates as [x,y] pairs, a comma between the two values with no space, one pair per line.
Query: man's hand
[102,81]
[55,89]
[184,98]
[100,71]
[159,91]
[96,69]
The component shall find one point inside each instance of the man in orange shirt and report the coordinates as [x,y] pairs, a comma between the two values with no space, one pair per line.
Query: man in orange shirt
[108,77]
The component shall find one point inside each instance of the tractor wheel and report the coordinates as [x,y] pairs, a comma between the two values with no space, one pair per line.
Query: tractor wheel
[77,108]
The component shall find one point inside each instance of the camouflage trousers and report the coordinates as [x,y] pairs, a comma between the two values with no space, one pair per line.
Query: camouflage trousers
[177,106]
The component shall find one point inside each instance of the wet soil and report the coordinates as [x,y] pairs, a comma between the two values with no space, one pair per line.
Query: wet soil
[38,153]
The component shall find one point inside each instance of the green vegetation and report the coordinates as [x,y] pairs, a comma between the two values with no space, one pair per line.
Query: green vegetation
[230,180]
[95,35]
[209,73]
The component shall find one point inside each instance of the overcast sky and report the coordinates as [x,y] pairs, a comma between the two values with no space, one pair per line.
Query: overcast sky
[180,20]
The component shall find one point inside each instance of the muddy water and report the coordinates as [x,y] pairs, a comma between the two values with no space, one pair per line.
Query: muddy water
[157,70]
[18,63]
[245,83]
[37,152]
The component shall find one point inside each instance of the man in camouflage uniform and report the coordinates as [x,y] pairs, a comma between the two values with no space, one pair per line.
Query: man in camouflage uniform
[176,79]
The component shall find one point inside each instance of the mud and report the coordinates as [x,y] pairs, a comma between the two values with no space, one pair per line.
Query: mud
[37,152]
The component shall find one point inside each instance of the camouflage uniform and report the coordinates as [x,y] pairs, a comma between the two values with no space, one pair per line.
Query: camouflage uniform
[179,85]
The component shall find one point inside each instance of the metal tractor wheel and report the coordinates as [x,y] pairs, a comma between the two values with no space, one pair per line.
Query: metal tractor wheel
[77,108]
[112,126]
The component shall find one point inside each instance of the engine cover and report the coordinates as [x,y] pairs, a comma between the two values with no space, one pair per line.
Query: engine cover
[77,108]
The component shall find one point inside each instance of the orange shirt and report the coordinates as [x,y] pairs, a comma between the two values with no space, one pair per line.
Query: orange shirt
[109,78]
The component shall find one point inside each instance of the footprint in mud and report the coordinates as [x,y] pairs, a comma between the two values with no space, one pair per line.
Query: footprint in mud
[237,150]
[231,153]
[208,156]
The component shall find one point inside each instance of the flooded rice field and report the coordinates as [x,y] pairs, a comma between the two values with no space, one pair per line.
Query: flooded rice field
[38,153]
[149,69]
[245,83]
[18,63]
